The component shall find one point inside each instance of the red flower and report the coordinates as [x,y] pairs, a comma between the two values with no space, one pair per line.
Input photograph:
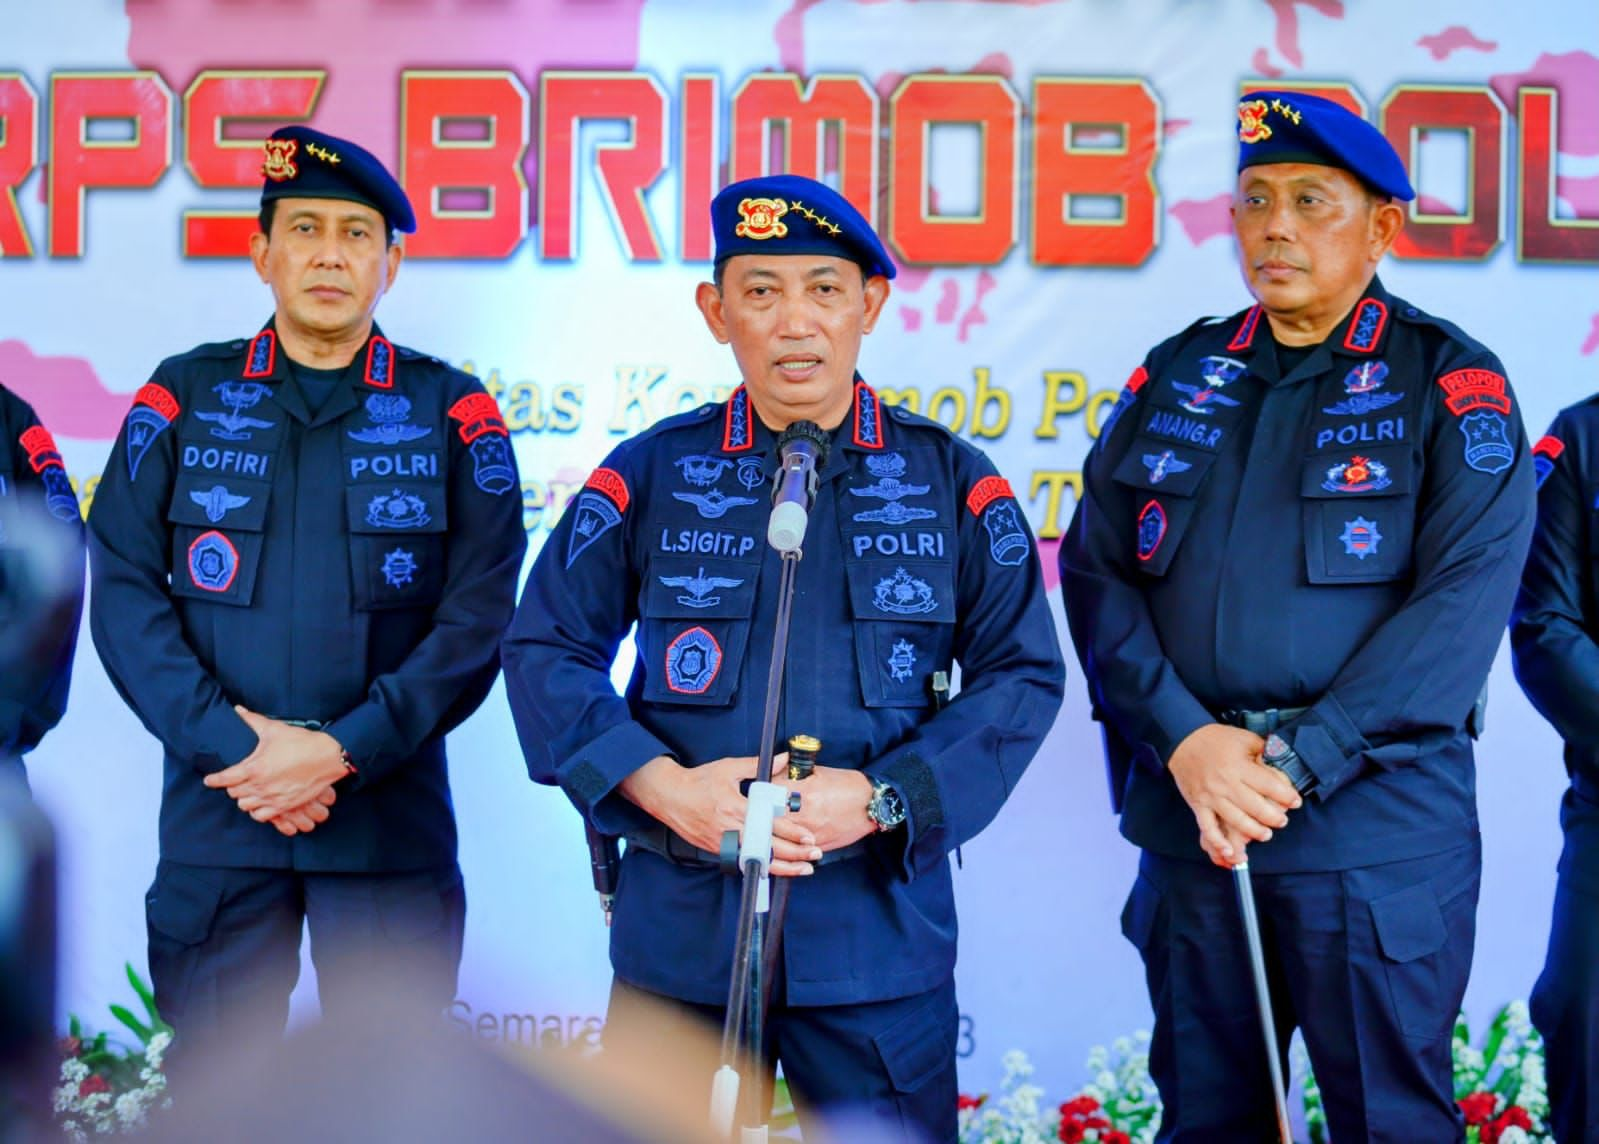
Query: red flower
[1096,1122]
[964,1102]
[1079,1106]
[1515,1115]
[92,1084]
[1072,1132]
[1478,1108]
[1115,1136]
[69,1046]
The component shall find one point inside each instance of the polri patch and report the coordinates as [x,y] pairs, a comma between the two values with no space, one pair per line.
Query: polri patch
[593,517]
[985,492]
[1544,455]
[213,562]
[1360,538]
[693,661]
[1007,539]
[1151,530]
[1466,390]
[154,409]
[492,470]
[609,482]
[478,414]
[1488,445]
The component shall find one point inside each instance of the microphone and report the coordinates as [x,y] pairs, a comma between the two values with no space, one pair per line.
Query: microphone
[801,451]
[605,863]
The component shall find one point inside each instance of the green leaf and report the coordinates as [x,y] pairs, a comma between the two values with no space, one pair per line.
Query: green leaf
[138,1027]
[75,1027]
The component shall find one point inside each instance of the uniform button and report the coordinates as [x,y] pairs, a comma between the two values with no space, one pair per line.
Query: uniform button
[1410,311]
[238,345]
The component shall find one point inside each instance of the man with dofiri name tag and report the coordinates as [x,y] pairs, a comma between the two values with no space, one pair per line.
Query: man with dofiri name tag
[304,552]
[917,557]
[41,583]
[1297,544]
[1554,641]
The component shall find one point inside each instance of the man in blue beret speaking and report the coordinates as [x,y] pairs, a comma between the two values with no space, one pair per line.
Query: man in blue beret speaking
[916,557]
[304,550]
[1297,545]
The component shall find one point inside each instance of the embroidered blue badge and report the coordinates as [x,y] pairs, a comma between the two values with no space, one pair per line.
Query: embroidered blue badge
[379,360]
[595,516]
[693,661]
[213,562]
[714,504]
[390,425]
[888,465]
[397,510]
[890,489]
[699,588]
[1357,475]
[492,470]
[1360,537]
[1163,465]
[701,471]
[154,408]
[1488,447]
[237,396]
[1361,386]
[751,472]
[903,595]
[894,513]
[1370,317]
[58,495]
[1007,540]
[399,567]
[1217,372]
[1151,529]
[217,502]
[903,660]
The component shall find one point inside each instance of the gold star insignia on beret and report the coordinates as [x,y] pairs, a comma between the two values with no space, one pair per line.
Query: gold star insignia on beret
[1286,111]
[330,157]
[824,224]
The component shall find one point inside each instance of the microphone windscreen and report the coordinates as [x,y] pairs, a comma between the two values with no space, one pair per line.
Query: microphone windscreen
[786,530]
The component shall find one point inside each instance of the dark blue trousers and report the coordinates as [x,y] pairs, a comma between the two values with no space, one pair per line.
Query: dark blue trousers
[889,1063]
[1370,963]
[225,948]
[1565,1002]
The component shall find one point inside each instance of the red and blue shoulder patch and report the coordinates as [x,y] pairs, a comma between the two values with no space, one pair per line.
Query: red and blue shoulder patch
[610,482]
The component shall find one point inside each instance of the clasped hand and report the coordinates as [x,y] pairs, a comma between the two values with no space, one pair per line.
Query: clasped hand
[702,803]
[288,779]
[1236,798]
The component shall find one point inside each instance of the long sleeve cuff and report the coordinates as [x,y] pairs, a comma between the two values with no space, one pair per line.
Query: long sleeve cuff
[365,733]
[229,738]
[920,843]
[1330,744]
[591,776]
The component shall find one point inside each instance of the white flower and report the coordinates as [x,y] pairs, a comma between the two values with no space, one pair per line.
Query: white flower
[130,1108]
[64,1097]
[1098,1058]
[73,1130]
[1514,1135]
[1142,1036]
[1106,1080]
[1122,1046]
[1016,1065]
[74,1070]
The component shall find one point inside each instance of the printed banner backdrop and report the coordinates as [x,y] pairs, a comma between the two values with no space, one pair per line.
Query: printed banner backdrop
[1053,176]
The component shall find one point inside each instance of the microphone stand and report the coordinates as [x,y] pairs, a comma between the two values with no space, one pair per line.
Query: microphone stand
[747,992]
[1257,965]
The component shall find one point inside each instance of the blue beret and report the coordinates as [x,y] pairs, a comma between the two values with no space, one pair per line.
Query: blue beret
[790,214]
[1291,127]
[306,164]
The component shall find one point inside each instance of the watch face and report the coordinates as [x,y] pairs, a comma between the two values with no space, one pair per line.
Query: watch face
[887,810]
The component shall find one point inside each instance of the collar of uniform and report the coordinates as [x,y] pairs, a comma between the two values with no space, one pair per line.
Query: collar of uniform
[264,360]
[863,426]
[1364,331]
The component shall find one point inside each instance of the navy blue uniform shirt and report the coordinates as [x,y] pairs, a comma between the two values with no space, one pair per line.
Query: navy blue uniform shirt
[1555,625]
[917,557]
[35,649]
[355,567]
[1345,538]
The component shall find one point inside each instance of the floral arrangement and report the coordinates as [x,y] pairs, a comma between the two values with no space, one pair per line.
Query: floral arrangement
[1500,1089]
[107,1088]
